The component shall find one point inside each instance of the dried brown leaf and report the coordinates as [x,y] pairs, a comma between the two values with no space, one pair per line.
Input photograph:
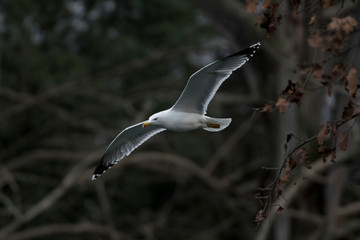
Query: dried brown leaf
[338,70]
[296,8]
[334,130]
[344,141]
[349,25]
[327,3]
[268,4]
[317,71]
[346,24]
[335,24]
[251,6]
[348,111]
[267,21]
[293,92]
[285,178]
[282,103]
[326,152]
[267,108]
[260,216]
[292,162]
[333,43]
[279,210]
[333,155]
[352,82]
[313,19]
[304,157]
[324,131]
[316,40]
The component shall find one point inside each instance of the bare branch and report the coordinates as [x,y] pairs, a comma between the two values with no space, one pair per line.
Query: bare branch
[56,229]
[106,209]
[292,190]
[48,200]
[228,144]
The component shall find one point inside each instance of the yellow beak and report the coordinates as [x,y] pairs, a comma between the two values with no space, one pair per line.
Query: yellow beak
[146,124]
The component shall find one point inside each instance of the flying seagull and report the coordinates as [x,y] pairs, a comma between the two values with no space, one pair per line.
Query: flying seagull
[188,113]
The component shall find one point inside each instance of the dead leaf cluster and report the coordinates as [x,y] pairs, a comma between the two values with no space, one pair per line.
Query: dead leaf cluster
[326,152]
[338,71]
[267,20]
[344,141]
[332,40]
[349,110]
[304,157]
[352,82]
[327,3]
[324,131]
[293,93]
[342,25]
[251,6]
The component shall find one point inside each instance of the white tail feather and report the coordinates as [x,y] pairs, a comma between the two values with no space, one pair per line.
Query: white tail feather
[216,124]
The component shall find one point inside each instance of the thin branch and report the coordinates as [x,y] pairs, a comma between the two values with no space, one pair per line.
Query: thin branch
[106,209]
[228,144]
[40,154]
[57,229]
[349,209]
[186,164]
[304,216]
[10,206]
[48,200]
[292,190]
[266,210]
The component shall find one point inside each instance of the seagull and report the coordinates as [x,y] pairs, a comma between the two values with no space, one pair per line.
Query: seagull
[188,112]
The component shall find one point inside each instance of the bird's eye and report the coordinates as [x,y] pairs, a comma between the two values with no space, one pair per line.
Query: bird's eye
[155,119]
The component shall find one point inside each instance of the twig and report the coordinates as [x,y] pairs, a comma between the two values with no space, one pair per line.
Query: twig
[272,193]
[56,229]
[52,197]
[106,208]
[292,190]
[228,144]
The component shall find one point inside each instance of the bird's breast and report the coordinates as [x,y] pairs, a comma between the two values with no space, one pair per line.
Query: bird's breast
[180,121]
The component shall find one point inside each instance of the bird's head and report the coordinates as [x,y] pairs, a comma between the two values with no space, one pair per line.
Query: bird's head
[155,119]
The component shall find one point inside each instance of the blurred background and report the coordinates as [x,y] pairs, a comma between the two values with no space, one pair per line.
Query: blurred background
[74,73]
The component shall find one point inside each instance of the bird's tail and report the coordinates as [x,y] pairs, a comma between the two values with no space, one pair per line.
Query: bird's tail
[216,124]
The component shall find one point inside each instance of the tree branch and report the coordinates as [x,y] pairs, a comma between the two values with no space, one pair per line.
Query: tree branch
[55,229]
[48,200]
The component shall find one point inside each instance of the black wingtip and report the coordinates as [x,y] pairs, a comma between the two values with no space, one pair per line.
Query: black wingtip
[100,169]
[94,177]
[249,52]
[253,48]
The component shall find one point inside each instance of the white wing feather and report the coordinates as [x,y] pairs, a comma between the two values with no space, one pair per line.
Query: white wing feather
[203,84]
[126,142]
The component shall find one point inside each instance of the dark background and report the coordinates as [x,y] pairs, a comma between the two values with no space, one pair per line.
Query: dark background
[73,74]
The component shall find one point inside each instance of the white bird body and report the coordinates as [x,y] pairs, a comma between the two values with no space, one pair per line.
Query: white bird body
[178,121]
[188,113]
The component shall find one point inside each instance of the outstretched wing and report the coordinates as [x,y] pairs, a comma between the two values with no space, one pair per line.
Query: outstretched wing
[129,139]
[203,84]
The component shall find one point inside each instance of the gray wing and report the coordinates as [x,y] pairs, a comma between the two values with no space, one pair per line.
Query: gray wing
[126,142]
[203,84]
